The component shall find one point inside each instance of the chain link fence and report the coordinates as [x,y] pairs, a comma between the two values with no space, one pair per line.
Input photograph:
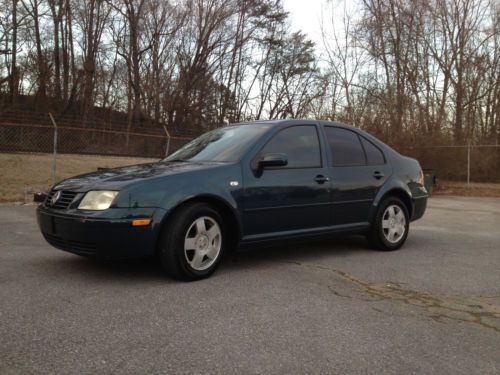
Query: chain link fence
[468,163]
[86,141]
[474,163]
[34,157]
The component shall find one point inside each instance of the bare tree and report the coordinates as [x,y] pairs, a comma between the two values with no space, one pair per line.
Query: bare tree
[410,71]
[92,16]
[344,57]
[33,8]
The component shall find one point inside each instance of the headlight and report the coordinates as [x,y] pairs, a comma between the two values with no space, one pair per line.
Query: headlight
[97,200]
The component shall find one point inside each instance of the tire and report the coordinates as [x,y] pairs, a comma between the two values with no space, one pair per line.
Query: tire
[192,243]
[391,225]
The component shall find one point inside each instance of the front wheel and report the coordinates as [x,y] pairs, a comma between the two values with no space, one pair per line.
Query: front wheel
[192,244]
[391,225]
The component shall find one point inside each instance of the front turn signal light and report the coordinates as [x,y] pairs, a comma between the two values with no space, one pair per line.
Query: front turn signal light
[141,222]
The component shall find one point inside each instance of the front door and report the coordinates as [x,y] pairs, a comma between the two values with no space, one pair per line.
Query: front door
[292,197]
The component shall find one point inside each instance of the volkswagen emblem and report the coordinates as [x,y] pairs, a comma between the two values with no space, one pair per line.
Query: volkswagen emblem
[55,197]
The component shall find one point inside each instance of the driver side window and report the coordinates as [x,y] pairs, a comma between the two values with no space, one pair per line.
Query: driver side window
[299,143]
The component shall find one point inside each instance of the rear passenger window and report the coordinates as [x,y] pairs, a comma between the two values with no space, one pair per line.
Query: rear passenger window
[345,147]
[373,154]
[299,143]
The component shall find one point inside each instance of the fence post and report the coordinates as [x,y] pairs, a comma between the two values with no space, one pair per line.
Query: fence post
[468,164]
[54,161]
[168,140]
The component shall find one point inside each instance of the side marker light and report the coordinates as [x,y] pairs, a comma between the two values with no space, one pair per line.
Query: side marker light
[141,222]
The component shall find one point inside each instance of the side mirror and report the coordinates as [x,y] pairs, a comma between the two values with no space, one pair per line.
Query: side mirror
[273,160]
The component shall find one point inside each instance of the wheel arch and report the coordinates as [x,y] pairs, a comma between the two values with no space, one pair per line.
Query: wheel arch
[228,213]
[397,192]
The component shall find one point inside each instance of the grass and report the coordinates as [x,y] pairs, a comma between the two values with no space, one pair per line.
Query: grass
[474,189]
[21,174]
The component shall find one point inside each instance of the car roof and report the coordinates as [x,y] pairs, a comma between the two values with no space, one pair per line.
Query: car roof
[287,122]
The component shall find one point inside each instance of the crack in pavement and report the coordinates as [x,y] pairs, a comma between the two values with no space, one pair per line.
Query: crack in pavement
[467,309]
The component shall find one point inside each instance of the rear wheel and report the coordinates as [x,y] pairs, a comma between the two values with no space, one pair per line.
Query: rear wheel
[391,225]
[192,243]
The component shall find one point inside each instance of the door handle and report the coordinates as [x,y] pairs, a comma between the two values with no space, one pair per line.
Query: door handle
[320,179]
[378,175]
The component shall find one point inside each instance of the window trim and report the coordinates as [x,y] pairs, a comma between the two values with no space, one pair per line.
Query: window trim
[255,159]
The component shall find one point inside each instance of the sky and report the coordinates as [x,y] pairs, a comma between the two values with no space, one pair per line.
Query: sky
[305,15]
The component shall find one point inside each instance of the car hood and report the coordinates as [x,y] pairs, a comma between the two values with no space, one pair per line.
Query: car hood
[117,178]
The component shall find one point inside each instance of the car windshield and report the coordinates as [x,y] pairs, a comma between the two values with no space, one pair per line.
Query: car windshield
[224,144]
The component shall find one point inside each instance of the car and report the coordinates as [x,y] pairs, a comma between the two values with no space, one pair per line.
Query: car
[236,186]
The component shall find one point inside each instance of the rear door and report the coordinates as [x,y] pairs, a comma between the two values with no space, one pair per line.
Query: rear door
[292,197]
[358,168]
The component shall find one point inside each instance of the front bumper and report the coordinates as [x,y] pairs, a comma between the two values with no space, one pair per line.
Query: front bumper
[103,237]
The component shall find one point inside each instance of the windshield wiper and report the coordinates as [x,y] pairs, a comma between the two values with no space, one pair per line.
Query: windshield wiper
[176,161]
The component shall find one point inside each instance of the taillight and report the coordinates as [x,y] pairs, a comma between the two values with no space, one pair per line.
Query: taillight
[421,178]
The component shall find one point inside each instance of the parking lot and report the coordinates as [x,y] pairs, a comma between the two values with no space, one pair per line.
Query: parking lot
[332,306]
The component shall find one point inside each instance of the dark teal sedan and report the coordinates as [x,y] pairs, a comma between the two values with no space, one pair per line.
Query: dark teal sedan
[239,185]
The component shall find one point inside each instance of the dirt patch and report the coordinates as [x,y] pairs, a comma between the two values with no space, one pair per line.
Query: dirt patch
[22,173]
[475,189]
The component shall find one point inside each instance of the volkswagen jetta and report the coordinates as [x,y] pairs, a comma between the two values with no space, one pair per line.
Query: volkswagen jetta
[239,185]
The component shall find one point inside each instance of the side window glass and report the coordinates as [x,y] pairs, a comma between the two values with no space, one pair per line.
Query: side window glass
[373,154]
[299,143]
[345,147]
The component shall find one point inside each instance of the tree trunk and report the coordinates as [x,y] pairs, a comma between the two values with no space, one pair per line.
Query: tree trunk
[14,74]
[56,17]
[64,47]
[136,84]
[41,94]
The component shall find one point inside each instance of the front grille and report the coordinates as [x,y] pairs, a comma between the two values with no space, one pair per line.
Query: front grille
[71,245]
[63,202]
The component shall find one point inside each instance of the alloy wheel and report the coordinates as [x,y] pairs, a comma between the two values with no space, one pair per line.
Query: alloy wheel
[202,243]
[393,223]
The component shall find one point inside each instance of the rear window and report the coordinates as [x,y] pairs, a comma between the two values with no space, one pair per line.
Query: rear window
[373,154]
[345,147]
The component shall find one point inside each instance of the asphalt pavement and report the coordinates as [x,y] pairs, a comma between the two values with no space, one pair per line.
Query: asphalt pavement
[325,307]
